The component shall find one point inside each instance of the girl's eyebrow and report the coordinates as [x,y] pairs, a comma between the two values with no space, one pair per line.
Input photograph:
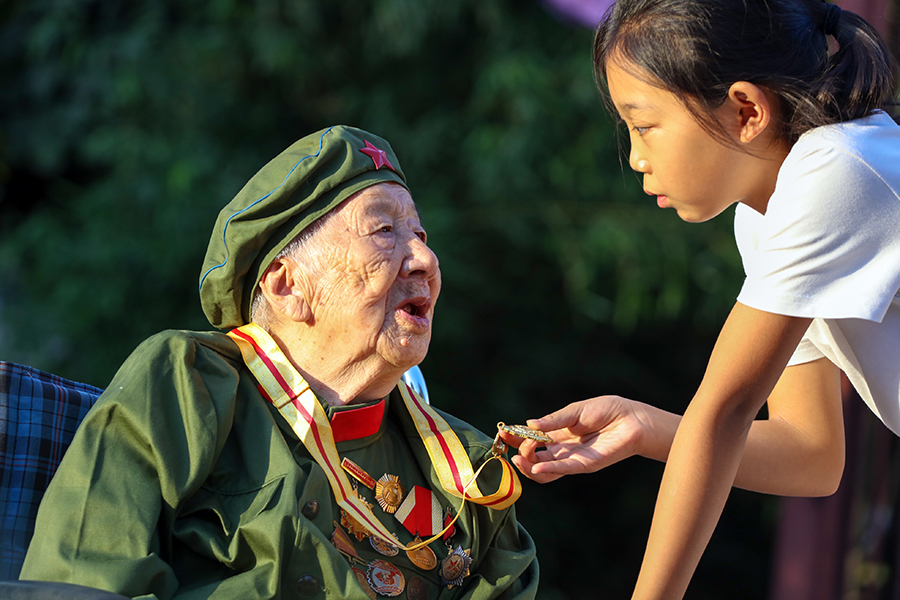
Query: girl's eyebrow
[626,108]
[631,106]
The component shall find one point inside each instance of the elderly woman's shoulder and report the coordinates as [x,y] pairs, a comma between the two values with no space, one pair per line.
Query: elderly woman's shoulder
[180,342]
[173,351]
[177,371]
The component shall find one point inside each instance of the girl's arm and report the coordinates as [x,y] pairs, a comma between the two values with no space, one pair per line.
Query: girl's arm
[797,451]
[747,361]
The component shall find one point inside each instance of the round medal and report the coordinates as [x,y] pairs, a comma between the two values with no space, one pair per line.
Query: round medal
[363,582]
[416,589]
[385,578]
[383,547]
[423,557]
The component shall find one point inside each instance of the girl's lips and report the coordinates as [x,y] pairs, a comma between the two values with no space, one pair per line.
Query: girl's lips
[661,200]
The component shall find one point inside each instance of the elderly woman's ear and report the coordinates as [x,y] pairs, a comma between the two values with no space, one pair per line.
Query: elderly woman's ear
[285,288]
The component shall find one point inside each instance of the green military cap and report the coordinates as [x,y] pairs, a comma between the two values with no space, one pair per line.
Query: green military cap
[298,186]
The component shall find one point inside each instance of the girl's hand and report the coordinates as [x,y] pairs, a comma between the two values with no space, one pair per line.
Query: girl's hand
[587,436]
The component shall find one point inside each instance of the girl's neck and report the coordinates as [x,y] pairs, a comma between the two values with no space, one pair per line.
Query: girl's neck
[766,175]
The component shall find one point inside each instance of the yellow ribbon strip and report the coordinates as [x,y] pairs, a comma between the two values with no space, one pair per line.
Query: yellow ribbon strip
[450,460]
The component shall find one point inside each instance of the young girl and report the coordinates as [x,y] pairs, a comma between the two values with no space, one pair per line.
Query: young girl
[778,107]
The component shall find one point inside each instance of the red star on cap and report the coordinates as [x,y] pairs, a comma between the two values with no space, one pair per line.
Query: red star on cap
[379,157]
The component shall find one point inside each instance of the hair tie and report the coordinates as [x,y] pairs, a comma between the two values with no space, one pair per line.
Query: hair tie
[832,16]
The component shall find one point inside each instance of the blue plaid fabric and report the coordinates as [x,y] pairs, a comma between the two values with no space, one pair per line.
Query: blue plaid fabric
[39,413]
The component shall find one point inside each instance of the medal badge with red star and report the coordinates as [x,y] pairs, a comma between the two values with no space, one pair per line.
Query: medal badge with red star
[379,157]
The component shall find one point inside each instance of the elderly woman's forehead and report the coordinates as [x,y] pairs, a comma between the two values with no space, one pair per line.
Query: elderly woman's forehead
[384,198]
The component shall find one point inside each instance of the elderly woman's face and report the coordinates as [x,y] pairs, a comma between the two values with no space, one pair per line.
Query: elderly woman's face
[373,294]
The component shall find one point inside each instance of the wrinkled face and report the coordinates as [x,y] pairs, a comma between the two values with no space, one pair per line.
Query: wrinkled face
[681,163]
[374,289]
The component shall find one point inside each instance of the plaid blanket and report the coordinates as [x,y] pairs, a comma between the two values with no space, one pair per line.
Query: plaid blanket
[39,413]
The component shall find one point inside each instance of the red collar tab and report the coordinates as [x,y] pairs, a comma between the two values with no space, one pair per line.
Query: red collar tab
[379,157]
[356,423]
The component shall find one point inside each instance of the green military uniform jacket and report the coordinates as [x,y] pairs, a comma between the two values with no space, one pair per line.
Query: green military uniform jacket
[184,482]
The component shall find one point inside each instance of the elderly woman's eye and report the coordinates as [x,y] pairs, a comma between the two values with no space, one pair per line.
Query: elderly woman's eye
[386,229]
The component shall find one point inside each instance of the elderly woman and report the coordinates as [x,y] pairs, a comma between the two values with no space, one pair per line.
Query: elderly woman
[283,460]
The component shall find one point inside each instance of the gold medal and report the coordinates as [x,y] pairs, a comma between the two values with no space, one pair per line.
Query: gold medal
[523,431]
[423,557]
[389,493]
[354,527]
[455,568]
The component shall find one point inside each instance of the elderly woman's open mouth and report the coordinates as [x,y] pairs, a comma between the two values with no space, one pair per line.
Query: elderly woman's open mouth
[415,311]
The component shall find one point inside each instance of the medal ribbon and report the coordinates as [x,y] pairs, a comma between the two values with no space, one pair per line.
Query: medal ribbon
[297,403]
[450,460]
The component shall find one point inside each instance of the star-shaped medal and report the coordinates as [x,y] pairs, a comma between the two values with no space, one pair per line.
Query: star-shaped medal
[354,527]
[455,567]
[389,493]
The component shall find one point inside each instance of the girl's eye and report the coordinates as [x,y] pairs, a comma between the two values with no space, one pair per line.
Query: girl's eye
[640,130]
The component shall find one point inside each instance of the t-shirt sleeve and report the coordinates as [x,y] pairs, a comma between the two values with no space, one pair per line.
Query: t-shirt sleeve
[806,352]
[829,243]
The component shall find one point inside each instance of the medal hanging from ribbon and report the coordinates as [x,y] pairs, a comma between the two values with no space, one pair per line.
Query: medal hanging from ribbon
[288,392]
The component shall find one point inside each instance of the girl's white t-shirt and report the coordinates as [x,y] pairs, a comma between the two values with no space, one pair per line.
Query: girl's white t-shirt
[828,248]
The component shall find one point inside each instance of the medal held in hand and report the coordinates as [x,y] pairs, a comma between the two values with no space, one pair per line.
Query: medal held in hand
[523,431]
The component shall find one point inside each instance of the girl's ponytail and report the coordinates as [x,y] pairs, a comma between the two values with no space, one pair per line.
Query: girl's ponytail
[858,78]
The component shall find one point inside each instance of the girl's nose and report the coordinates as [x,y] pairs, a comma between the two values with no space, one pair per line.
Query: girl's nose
[637,162]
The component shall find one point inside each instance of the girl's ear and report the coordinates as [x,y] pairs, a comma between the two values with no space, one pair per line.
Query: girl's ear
[284,287]
[749,110]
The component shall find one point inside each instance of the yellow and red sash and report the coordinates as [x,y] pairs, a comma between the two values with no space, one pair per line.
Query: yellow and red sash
[290,394]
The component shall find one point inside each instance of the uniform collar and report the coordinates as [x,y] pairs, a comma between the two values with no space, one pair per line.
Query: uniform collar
[356,421]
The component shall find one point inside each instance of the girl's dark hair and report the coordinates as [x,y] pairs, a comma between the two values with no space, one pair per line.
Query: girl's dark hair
[697,48]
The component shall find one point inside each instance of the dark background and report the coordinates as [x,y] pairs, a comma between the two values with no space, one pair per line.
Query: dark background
[126,126]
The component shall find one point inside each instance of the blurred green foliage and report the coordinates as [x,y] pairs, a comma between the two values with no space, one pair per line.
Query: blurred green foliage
[126,126]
